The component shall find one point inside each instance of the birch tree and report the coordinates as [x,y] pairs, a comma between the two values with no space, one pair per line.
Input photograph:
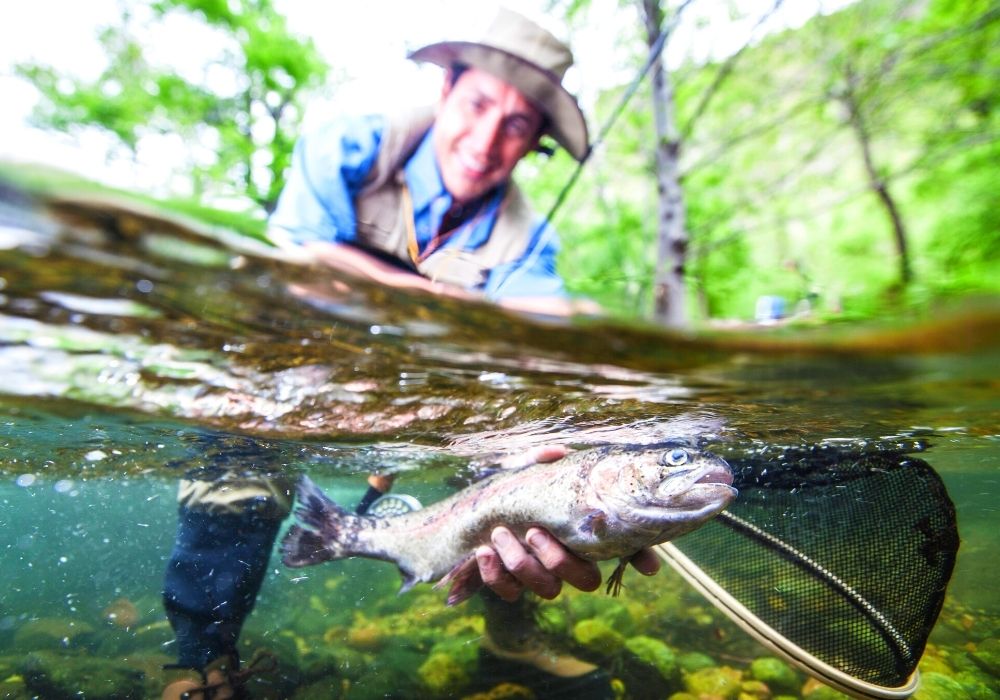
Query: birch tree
[669,290]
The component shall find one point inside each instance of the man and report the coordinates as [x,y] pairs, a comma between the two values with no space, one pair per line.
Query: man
[425,200]
[422,201]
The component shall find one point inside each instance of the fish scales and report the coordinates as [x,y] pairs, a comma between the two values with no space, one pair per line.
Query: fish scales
[601,503]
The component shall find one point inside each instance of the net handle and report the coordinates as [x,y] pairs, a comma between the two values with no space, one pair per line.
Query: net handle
[774,640]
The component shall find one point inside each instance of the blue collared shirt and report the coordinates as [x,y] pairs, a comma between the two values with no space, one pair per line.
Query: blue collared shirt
[329,167]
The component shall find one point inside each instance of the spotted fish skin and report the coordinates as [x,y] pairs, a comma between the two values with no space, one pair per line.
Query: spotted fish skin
[601,503]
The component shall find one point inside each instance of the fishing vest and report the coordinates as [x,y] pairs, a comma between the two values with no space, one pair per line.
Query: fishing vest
[382,217]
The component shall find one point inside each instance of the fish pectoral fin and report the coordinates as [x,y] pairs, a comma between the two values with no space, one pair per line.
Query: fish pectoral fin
[464,579]
[409,580]
[614,585]
[594,524]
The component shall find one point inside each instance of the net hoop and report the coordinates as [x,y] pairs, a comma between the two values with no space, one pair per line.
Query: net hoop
[774,640]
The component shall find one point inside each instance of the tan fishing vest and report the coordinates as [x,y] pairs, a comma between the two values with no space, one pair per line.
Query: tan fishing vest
[381,216]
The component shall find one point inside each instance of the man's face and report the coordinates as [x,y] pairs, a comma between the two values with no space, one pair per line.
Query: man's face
[484,126]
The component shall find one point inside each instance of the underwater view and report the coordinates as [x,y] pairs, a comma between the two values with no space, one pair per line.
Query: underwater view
[137,349]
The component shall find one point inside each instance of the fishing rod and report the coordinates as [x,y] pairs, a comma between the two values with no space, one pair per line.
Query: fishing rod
[654,53]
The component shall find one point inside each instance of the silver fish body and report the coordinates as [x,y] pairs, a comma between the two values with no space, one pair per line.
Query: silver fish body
[601,503]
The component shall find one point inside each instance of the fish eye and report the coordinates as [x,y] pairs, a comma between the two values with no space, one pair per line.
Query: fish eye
[675,457]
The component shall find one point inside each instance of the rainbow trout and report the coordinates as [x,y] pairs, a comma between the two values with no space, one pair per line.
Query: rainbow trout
[601,503]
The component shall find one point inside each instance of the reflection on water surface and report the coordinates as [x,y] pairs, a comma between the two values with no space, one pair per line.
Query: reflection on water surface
[133,350]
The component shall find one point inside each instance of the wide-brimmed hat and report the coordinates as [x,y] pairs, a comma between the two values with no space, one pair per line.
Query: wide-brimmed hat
[521,53]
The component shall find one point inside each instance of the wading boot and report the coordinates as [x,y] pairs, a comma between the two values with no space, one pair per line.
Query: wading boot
[221,679]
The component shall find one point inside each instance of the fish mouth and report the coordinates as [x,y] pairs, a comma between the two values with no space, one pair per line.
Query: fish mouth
[704,483]
[715,475]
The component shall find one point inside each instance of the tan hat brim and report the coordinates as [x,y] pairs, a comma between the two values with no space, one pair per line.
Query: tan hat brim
[543,89]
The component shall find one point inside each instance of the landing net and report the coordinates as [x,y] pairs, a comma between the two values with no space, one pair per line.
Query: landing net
[838,562]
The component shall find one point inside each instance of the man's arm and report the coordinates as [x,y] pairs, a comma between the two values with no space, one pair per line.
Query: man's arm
[532,285]
[551,306]
[359,263]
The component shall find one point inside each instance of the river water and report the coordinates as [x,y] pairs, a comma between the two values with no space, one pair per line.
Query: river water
[134,347]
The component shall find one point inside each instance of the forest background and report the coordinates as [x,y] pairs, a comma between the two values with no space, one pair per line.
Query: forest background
[844,169]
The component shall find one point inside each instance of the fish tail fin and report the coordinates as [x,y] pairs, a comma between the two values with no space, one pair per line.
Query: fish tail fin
[303,547]
[316,509]
[325,533]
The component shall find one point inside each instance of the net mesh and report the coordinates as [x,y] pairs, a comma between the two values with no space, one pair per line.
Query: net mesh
[845,555]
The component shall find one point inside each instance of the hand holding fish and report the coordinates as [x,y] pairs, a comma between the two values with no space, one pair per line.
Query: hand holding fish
[508,567]
[544,563]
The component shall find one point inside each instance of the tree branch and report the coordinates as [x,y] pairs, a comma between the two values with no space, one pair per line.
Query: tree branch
[723,73]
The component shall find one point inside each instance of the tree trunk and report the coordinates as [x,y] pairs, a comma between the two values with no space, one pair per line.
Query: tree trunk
[669,294]
[875,180]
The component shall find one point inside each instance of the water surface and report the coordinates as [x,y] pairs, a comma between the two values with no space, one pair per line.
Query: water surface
[134,347]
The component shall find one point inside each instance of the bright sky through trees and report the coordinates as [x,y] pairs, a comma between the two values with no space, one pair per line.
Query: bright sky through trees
[365,43]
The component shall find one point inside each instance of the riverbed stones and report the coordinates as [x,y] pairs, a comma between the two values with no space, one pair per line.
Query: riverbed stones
[776,674]
[69,677]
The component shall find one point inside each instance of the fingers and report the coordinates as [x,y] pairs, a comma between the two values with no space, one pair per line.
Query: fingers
[524,566]
[495,575]
[508,567]
[562,563]
[646,562]
[535,455]
[514,568]
[548,453]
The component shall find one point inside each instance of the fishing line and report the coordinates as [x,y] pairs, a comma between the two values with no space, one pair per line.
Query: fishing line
[548,231]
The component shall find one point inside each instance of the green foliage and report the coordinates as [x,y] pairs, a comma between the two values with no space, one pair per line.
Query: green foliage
[248,130]
[777,194]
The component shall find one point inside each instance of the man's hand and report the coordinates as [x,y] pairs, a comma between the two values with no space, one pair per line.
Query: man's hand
[509,566]
[552,306]
[359,263]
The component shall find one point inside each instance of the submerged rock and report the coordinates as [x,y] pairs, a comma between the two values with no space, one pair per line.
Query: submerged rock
[64,677]
[936,686]
[53,633]
[694,661]
[755,690]
[442,673]
[121,613]
[816,690]
[504,691]
[987,656]
[365,635]
[656,654]
[323,690]
[779,676]
[598,637]
[721,682]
